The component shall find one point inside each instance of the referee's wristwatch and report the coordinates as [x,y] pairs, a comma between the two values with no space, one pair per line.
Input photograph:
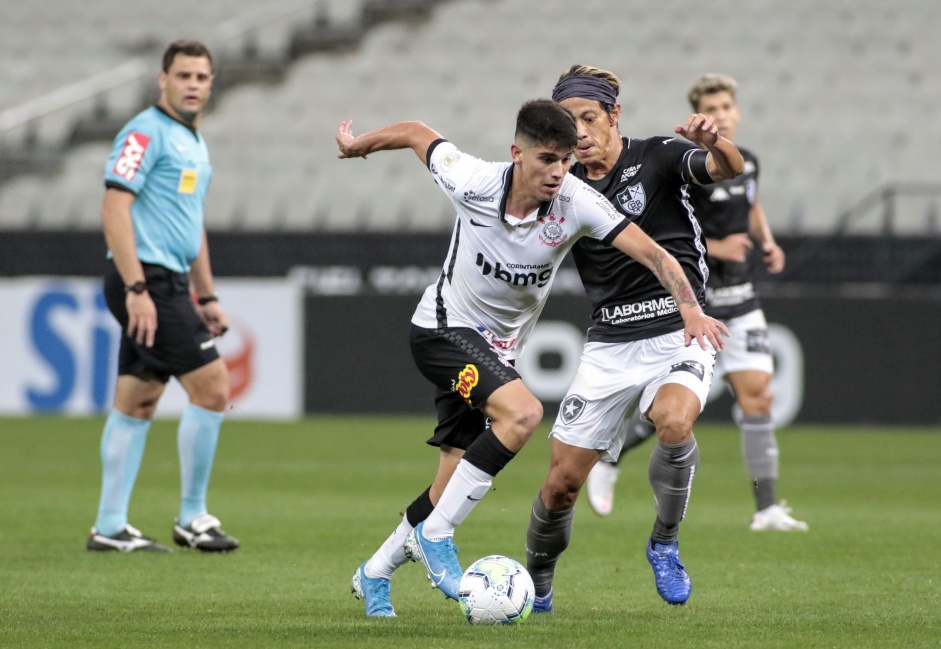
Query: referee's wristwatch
[136,287]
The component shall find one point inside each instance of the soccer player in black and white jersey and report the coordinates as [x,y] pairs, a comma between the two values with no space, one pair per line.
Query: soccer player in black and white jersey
[515,223]
[733,221]
[637,354]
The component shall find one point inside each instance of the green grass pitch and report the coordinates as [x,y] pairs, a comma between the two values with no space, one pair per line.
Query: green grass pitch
[311,500]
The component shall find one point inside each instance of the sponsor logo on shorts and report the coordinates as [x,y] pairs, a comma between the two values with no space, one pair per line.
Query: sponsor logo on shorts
[553,233]
[466,380]
[131,155]
[572,408]
[693,367]
[757,342]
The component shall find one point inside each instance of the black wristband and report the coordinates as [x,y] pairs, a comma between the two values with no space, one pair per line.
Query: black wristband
[203,301]
[136,287]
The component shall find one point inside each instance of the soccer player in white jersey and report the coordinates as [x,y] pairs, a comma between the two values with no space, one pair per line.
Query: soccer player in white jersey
[515,223]
[637,353]
[732,220]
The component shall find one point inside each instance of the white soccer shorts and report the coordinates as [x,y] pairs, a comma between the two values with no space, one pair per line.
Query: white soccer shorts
[747,348]
[613,378]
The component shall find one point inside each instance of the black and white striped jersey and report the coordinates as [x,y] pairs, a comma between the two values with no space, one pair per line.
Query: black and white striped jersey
[724,209]
[650,185]
[499,269]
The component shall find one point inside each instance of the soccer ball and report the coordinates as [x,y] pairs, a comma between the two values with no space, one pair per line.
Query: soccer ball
[496,590]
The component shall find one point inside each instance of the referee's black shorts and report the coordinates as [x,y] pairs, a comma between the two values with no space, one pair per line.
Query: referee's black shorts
[466,370]
[182,342]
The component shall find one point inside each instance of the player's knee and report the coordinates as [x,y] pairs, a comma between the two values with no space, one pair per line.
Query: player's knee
[212,396]
[560,490]
[528,416]
[673,430]
[756,403]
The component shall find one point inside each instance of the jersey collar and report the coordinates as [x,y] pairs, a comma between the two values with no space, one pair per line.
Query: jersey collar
[183,124]
[512,220]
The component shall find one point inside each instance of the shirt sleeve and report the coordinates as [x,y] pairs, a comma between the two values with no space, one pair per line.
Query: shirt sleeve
[135,151]
[451,167]
[597,215]
[687,160]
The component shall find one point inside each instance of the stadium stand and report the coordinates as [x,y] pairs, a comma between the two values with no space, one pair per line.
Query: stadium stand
[838,98]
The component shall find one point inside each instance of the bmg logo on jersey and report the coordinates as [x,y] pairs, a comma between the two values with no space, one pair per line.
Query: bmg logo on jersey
[538,275]
[129,161]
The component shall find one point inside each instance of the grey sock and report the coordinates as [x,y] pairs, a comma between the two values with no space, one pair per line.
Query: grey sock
[671,471]
[760,452]
[547,537]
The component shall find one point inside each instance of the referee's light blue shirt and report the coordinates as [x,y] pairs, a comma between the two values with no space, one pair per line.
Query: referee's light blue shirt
[165,164]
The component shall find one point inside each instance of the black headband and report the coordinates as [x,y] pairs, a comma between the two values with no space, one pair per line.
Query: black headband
[585,86]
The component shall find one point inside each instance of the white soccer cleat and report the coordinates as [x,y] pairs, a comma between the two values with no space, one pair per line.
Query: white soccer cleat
[600,485]
[777,518]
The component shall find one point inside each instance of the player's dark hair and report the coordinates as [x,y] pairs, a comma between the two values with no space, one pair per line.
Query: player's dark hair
[186,47]
[546,123]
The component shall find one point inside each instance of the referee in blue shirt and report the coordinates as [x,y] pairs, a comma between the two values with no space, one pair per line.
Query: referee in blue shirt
[156,181]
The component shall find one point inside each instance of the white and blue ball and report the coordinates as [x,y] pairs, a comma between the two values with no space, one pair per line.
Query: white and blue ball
[496,590]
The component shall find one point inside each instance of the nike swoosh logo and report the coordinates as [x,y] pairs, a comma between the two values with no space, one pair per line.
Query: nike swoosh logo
[480,225]
[475,500]
[668,141]
[436,577]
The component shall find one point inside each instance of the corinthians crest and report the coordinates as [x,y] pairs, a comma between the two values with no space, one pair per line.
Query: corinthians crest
[633,200]
[552,231]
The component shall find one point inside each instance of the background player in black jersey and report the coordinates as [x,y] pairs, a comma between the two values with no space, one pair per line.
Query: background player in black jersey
[732,221]
[637,353]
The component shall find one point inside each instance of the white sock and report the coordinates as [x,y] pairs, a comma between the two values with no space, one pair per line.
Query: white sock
[390,554]
[466,488]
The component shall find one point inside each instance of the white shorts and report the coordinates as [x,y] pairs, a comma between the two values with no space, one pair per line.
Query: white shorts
[748,347]
[615,378]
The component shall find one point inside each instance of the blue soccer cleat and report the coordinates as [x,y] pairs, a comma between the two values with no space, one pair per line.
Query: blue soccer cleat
[669,573]
[439,559]
[375,591]
[543,604]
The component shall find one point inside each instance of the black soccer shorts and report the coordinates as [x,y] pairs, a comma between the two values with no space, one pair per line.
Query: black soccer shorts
[182,342]
[466,370]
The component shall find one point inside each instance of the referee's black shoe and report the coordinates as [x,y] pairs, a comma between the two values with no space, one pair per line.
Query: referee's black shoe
[129,539]
[205,533]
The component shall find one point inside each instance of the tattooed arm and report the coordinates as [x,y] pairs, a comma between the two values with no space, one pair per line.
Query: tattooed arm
[634,242]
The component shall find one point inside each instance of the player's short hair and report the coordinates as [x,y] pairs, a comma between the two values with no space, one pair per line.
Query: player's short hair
[187,48]
[546,123]
[609,77]
[709,84]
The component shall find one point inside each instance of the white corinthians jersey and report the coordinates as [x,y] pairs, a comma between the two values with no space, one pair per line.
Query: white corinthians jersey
[499,268]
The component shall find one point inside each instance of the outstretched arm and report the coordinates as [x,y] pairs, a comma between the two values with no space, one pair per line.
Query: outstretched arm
[724,161]
[402,135]
[634,242]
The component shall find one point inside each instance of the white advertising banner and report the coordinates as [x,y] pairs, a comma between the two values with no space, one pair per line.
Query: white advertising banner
[59,346]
